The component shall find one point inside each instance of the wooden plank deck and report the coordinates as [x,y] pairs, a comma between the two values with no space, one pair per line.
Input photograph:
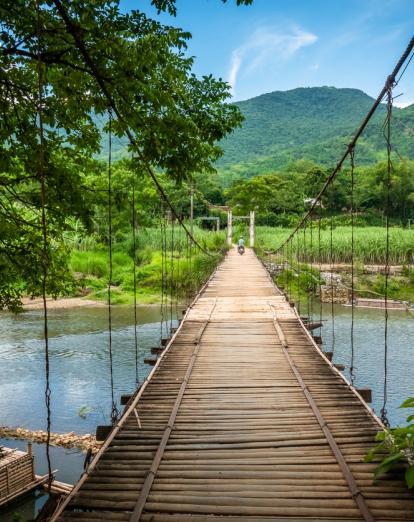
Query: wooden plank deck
[244,419]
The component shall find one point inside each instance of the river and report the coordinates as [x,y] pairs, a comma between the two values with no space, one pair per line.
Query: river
[80,378]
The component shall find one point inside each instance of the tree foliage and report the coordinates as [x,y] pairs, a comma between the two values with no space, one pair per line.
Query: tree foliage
[73,62]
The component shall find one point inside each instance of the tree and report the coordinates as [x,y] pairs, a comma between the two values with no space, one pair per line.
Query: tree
[271,193]
[69,64]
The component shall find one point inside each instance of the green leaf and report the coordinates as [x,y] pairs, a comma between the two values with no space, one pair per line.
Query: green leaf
[387,464]
[408,403]
[409,477]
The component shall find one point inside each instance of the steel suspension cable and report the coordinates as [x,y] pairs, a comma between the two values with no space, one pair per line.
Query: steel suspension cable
[352,368]
[305,251]
[299,270]
[178,286]
[384,416]
[311,269]
[114,409]
[163,246]
[286,268]
[134,242]
[172,283]
[290,270]
[45,259]
[320,265]
[332,285]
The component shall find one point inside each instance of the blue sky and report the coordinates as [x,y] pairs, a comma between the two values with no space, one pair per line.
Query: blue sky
[282,44]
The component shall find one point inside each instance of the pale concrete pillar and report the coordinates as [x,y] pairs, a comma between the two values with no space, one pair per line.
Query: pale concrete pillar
[251,228]
[229,227]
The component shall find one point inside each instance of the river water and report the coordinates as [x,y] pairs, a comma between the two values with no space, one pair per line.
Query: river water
[79,378]
[80,371]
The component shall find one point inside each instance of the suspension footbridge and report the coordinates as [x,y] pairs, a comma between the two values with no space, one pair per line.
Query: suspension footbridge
[242,418]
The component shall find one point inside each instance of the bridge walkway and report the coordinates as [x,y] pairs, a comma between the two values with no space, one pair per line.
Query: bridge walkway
[242,419]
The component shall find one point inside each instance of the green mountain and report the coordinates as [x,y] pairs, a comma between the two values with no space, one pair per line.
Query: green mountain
[313,123]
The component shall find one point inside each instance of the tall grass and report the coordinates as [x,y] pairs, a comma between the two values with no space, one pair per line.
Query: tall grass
[370,244]
[181,270]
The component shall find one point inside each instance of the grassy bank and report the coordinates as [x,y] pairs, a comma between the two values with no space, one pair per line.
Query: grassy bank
[183,273]
[304,279]
[370,249]
[369,244]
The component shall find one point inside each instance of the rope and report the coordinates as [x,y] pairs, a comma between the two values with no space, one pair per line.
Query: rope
[178,286]
[114,409]
[299,271]
[351,369]
[306,272]
[45,247]
[332,287]
[311,269]
[172,285]
[384,416]
[320,266]
[163,272]
[286,268]
[134,242]
[291,271]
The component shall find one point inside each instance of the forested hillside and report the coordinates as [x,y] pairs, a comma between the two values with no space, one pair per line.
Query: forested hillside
[307,123]
[313,123]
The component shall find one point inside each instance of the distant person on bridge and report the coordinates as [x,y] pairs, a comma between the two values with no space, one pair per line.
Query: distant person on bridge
[240,245]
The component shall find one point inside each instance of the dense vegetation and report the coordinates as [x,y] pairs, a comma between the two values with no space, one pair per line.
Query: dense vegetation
[369,244]
[58,88]
[175,269]
[308,123]
[64,65]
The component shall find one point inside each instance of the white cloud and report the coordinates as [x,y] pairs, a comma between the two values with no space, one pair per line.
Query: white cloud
[402,104]
[267,46]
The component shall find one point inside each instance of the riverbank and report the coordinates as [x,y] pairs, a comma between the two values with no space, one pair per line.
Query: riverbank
[59,304]
[66,440]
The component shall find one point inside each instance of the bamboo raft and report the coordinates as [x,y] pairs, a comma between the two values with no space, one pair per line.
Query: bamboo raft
[243,418]
[17,475]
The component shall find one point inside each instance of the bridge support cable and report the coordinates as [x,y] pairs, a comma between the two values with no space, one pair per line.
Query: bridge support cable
[164,293]
[172,285]
[311,260]
[135,261]
[384,416]
[292,270]
[306,269]
[179,276]
[331,259]
[298,258]
[45,248]
[114,408]
[320,267]
[352,365]
[286,269]
[346,471]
